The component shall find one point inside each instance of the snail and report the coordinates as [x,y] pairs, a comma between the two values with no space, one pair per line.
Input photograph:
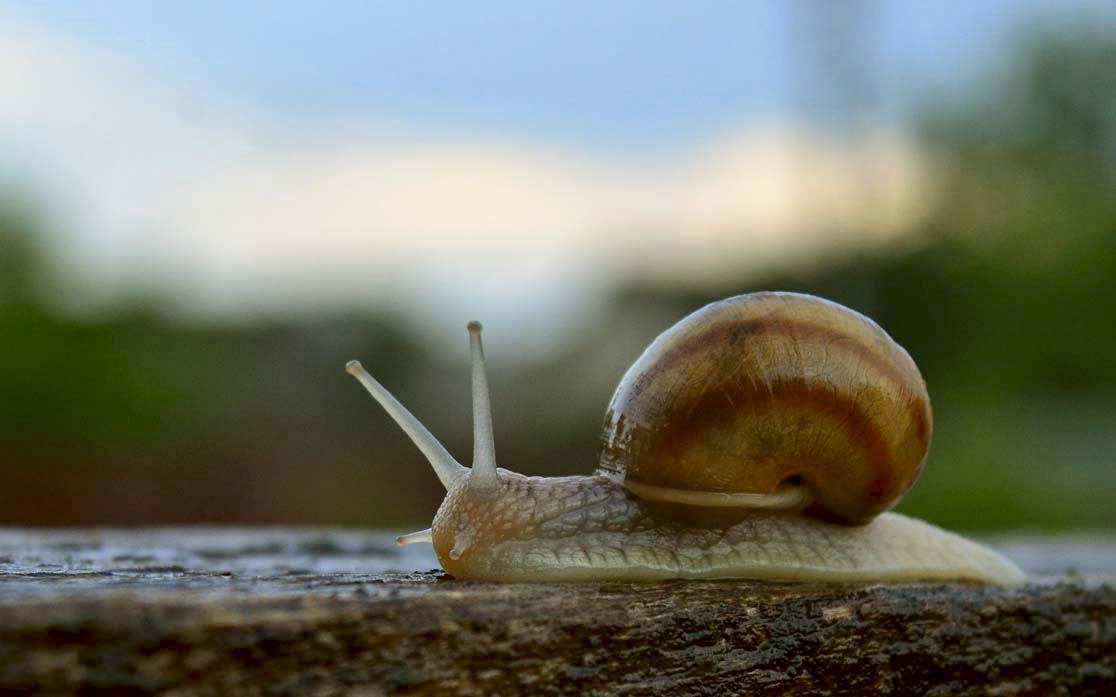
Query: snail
[764,436]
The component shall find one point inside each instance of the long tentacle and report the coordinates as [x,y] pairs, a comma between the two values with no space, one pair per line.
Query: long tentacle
[449,470]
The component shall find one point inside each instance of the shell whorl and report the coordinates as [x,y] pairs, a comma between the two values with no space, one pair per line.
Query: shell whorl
[761,391]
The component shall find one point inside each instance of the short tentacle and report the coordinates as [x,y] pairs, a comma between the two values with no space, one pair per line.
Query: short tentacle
[410,538]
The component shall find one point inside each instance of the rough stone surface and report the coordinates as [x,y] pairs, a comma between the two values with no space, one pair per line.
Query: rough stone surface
[296,612]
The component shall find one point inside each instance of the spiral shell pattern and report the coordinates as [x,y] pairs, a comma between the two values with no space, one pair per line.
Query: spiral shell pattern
[760,392]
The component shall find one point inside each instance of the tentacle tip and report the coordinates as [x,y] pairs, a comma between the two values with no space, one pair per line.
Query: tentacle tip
[474,327]
[354,367]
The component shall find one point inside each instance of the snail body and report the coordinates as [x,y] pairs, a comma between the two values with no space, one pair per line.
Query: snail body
[763,436]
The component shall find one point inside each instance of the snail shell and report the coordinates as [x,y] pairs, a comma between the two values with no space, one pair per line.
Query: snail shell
[762,393]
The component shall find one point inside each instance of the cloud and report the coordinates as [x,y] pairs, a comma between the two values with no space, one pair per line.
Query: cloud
[238,209]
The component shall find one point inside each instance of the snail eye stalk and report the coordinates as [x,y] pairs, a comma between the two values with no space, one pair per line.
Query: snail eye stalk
[449,470]
[482,476]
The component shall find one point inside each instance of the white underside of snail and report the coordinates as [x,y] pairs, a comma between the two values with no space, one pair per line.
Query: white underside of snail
[497,525]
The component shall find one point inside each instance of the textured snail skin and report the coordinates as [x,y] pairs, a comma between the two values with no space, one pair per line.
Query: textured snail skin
[533,529]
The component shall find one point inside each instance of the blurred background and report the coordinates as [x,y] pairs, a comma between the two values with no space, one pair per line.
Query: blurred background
[207,208]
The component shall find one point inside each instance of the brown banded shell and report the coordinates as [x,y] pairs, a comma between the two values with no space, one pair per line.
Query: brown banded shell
[761,392]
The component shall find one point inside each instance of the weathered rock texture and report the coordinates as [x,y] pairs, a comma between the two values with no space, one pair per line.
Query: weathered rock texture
[235,621]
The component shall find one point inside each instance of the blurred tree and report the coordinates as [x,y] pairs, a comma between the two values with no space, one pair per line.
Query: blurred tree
[20,259]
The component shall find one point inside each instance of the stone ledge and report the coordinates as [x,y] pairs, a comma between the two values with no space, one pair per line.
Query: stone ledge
[317,632]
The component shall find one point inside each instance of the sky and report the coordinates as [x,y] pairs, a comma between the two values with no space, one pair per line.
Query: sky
[505,160]
[633,74]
